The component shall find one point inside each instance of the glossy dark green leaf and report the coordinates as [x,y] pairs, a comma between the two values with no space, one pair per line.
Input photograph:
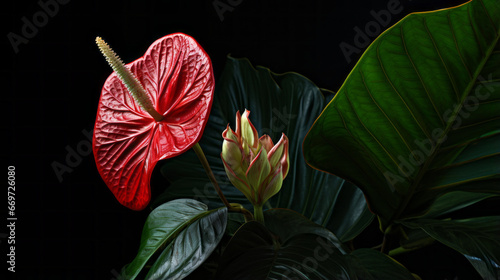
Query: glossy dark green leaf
[444,205]
[304,251]
[371,264]
[278,103]
[413,239]
[184,233]
[454,201]
[418,115]
[478,239]
[287,223]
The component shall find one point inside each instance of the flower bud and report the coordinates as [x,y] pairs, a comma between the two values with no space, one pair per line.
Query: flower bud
[254,165]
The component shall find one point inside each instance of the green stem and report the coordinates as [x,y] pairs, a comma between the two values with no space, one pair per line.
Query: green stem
[412,246]
[258,214]
[400,250]
[199,152]
[383,247]
[236,207]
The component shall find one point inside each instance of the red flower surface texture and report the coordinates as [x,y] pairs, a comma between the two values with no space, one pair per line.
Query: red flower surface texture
[178,77]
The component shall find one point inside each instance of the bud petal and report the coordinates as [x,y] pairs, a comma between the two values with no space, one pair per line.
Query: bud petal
[238,181]
[231,153]
[238,125]
[285,160]
[231,150]
[258,170]
[229,134]
[248,131]
[272,187]
[276,152]
[266,143]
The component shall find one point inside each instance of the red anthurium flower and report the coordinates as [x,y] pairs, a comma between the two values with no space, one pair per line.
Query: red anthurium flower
[153,108]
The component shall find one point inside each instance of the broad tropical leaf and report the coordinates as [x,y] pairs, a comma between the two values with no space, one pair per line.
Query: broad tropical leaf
[287,103]
[183,233]
[418,115]
[303,252]
[477,239]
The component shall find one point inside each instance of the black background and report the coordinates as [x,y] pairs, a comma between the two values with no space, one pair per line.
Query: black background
[74,228]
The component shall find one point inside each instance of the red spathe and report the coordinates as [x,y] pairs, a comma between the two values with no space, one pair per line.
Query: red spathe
[178,77]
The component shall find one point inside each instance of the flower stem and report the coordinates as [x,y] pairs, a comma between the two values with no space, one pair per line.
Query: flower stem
[236,207]
[383,247]
[257,212]
[199,152]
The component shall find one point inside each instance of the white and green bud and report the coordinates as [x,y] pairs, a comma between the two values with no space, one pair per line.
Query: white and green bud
[254,165]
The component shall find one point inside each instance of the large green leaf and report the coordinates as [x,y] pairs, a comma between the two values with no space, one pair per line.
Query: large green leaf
[184,233]
[418,115]
[478,239]
[279,103]
[303,251]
